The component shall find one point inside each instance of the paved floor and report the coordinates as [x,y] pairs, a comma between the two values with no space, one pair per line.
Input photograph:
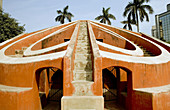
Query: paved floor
[53,106]
[112,105]
[109,105]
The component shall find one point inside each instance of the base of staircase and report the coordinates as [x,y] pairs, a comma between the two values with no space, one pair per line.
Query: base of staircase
[82,103]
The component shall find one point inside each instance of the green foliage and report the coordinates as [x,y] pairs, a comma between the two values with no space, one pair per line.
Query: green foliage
[105,17]
[63,15]
[128,24]
[137,10]
[9,27]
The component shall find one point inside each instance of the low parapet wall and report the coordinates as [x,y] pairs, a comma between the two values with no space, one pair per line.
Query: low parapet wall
[154,98]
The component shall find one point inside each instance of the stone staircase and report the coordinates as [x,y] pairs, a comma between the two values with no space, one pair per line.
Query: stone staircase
[146,52]
[19,53]
[82,74]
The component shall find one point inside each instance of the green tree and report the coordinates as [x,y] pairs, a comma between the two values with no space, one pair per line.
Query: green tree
[63,14]
[9,27]
[137,9]
[105,17]
[128,24]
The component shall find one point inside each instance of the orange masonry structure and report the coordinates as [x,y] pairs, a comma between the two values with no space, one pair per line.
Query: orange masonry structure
[84,65]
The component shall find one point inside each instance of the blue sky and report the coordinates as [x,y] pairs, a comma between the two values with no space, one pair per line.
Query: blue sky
[40,14]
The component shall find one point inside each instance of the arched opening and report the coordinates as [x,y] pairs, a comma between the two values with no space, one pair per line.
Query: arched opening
[117,88]
[50,86]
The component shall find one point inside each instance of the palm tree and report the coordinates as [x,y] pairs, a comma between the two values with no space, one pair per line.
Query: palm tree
[105,17]
[62,15]
[136,10]
[128,24]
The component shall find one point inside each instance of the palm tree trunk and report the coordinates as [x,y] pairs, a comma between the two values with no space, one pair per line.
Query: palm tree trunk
[137,21]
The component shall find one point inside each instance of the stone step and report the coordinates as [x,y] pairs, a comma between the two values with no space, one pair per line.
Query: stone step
[82,65]
[19,52]
[82,71]
[82,76]
[83,51]
[83,44]
[82,56]
[83,41]
[82,88]
[83,36]
[87,47]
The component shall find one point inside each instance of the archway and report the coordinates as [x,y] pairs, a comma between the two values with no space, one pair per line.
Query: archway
[50,86]
[117,87]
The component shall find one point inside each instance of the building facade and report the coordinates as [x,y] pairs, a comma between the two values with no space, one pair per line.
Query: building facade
[153,31]
[84,65]
[163,25]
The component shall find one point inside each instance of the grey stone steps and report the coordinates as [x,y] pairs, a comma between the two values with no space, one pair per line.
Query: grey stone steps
[83,44]
[82,71]
[19,52]
[85,47]
[145,51]
[82,88]
[83,51]
[83,41]
[83,56]
[82,76]
[82,65]
[83,38]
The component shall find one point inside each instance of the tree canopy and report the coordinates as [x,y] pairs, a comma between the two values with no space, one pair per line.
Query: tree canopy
[9,27]
[137,10]
[64,14]
[105,17]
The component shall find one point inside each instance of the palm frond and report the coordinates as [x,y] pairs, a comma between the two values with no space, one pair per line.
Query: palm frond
[107,10]
[64,15]
[65,9]
[108,21]
[59,11]
[99,17]
[125,26]
[129,26]
[149,8]
[111,16]
[58,18]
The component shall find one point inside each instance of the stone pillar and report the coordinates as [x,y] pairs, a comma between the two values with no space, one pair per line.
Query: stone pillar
[118,84]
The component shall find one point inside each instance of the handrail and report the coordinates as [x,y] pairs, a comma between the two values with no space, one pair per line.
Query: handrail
[69,63]
[97,63]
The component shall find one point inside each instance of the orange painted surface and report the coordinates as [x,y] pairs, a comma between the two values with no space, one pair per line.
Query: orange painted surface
[132,75]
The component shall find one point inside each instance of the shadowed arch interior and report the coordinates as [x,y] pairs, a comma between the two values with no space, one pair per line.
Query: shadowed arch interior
[117,86]
[50,84]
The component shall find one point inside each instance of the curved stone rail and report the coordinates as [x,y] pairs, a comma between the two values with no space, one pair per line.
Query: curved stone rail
[10,60]
[5,88]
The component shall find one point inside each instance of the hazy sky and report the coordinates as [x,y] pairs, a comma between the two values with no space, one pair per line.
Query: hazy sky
[39,14]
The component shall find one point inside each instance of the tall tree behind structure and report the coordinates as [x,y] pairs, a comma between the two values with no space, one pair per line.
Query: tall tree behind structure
[105,17]
[128,24]
[63,15]
[137,10]
[9,27]
[1,4]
